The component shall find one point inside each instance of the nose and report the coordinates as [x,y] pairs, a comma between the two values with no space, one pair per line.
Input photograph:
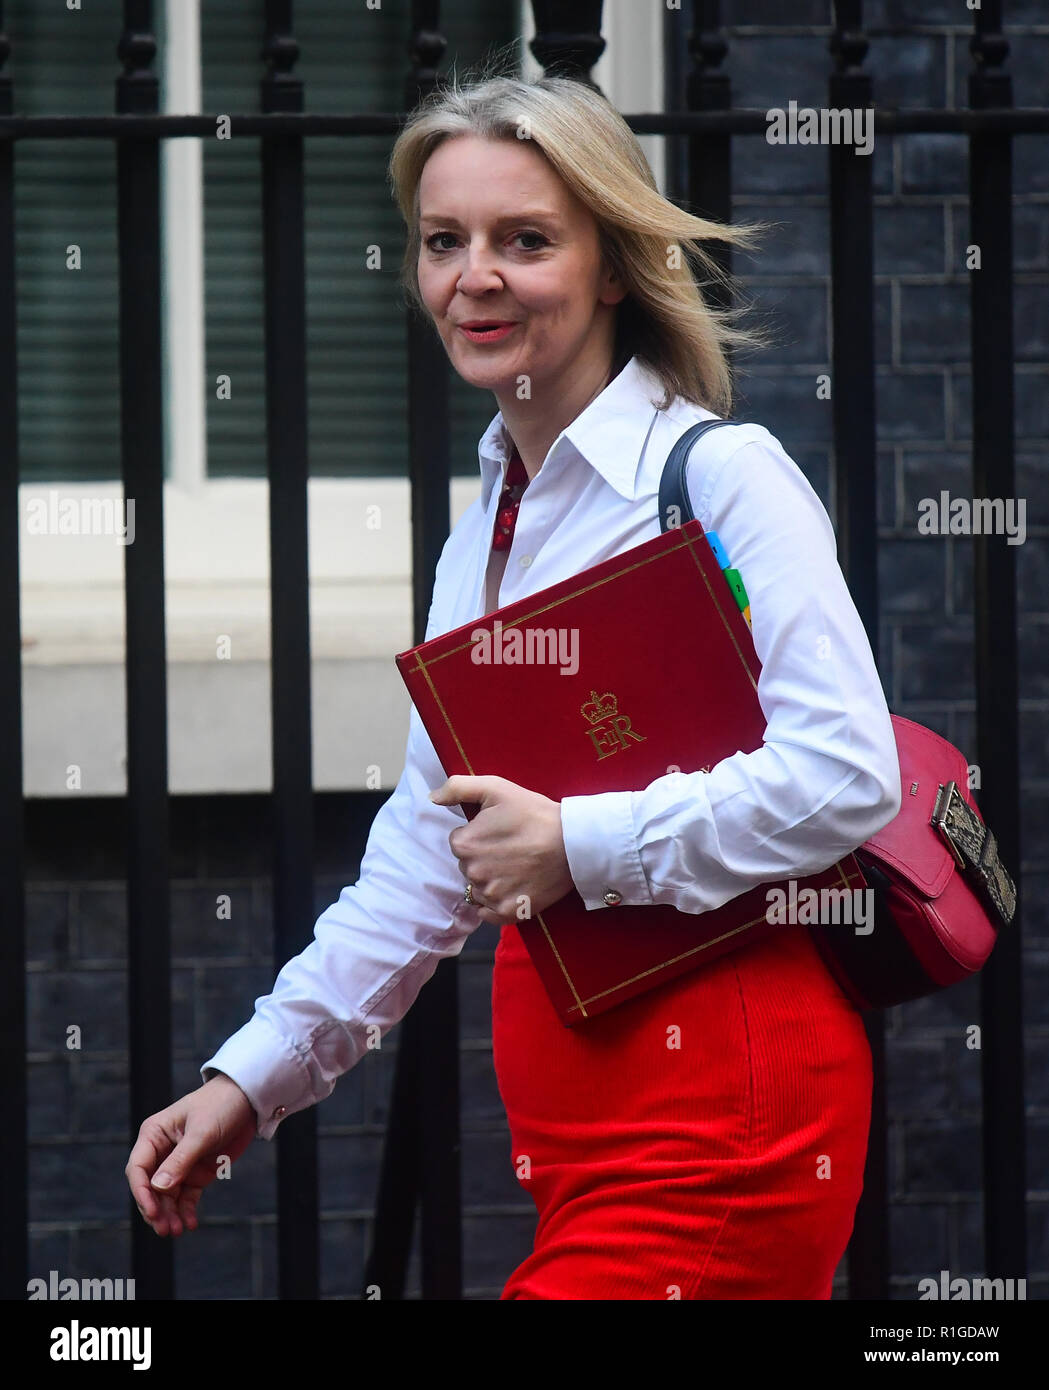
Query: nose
[479,273]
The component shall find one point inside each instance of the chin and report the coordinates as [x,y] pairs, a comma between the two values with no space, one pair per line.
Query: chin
[496,382]
[480,372]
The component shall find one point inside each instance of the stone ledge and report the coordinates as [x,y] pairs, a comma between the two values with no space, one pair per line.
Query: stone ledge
[218,726]
[83,625]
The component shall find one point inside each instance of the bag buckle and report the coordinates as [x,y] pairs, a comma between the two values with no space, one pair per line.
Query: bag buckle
[942,818]
[975,850]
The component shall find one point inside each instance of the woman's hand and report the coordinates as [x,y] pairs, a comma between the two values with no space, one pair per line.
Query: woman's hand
[512,850]
[187,1141]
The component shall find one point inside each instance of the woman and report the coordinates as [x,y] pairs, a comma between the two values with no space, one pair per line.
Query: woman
[728,1166]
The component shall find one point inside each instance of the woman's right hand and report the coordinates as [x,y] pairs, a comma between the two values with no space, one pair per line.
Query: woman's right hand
[186,1142]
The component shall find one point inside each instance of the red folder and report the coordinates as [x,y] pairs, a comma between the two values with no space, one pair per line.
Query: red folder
[665,677]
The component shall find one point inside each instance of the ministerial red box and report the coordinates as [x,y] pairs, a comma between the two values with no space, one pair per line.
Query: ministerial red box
[665,679]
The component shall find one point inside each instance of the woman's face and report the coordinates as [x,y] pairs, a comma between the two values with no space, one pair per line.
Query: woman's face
[504,239]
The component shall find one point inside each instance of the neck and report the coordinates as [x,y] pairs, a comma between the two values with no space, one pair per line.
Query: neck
[535,424]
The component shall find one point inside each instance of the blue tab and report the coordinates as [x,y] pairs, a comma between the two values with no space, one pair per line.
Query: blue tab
[719,550]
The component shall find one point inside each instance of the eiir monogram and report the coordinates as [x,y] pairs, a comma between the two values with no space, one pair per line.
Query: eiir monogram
[610,729]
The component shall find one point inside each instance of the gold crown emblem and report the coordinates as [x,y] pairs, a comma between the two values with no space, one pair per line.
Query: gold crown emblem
[599,707]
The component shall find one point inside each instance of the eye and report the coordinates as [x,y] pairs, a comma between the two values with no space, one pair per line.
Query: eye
[437,250]
[431,239]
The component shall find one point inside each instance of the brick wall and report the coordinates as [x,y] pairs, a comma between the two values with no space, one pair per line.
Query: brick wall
[79,1121]
[919,56]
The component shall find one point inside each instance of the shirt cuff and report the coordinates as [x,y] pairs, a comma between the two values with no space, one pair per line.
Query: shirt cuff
[601,848]
[267,1069]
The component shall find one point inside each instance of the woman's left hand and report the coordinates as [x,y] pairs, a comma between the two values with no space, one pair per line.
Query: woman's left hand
[512,852]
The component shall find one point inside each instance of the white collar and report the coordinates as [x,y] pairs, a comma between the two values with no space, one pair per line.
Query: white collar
[609,434]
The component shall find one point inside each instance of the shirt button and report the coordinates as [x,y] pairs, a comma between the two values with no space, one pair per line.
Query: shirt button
[612,897]
[280,1111]
[526,560]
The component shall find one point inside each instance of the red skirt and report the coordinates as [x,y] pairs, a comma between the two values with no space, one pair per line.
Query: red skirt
[705,1141]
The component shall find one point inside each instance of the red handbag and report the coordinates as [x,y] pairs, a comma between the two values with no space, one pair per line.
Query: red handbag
[941,894]
[940,891]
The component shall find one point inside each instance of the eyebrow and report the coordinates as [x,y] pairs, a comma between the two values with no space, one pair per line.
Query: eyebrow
[528,215]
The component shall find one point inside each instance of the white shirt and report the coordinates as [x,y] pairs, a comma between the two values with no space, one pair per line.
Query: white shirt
[825,779]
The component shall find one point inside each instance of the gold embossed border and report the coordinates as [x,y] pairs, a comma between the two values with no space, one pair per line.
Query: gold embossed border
[689,541]
[844,880]
[422,667]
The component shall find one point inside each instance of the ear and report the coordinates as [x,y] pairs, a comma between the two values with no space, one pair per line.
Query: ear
[612,288]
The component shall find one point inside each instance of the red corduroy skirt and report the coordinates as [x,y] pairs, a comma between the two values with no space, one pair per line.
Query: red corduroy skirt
[705,1140]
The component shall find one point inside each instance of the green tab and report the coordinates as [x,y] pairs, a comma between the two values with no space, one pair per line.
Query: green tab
[735,583]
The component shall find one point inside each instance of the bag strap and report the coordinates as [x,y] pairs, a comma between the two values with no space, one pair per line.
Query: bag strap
[969,840]
[673,486]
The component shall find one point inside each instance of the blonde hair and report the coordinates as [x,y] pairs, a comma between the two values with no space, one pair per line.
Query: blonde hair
[663,319]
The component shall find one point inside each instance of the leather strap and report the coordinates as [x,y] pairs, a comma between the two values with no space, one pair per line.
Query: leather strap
[673,486]
[974,847]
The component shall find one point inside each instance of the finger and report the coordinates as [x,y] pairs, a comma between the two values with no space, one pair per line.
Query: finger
[158,1224]
[157,1144]
[461,788]
[187,1206]
[169,1205]
[145,1200]
[180,1164]
[148,1151]
[477,898]
[163,1223]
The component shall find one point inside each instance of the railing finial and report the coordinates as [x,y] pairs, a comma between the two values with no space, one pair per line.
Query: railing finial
[281,88]
[138,88]
[988,45]
[568,38]
[426,48]
[707,46]
[848,44]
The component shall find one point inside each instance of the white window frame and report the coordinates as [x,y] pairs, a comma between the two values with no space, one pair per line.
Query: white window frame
[216,538]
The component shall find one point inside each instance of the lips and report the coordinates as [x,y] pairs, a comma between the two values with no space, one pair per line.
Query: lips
[492,332]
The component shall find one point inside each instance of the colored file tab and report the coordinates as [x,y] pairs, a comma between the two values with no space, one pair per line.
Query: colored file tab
[720,553]
[735,583]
